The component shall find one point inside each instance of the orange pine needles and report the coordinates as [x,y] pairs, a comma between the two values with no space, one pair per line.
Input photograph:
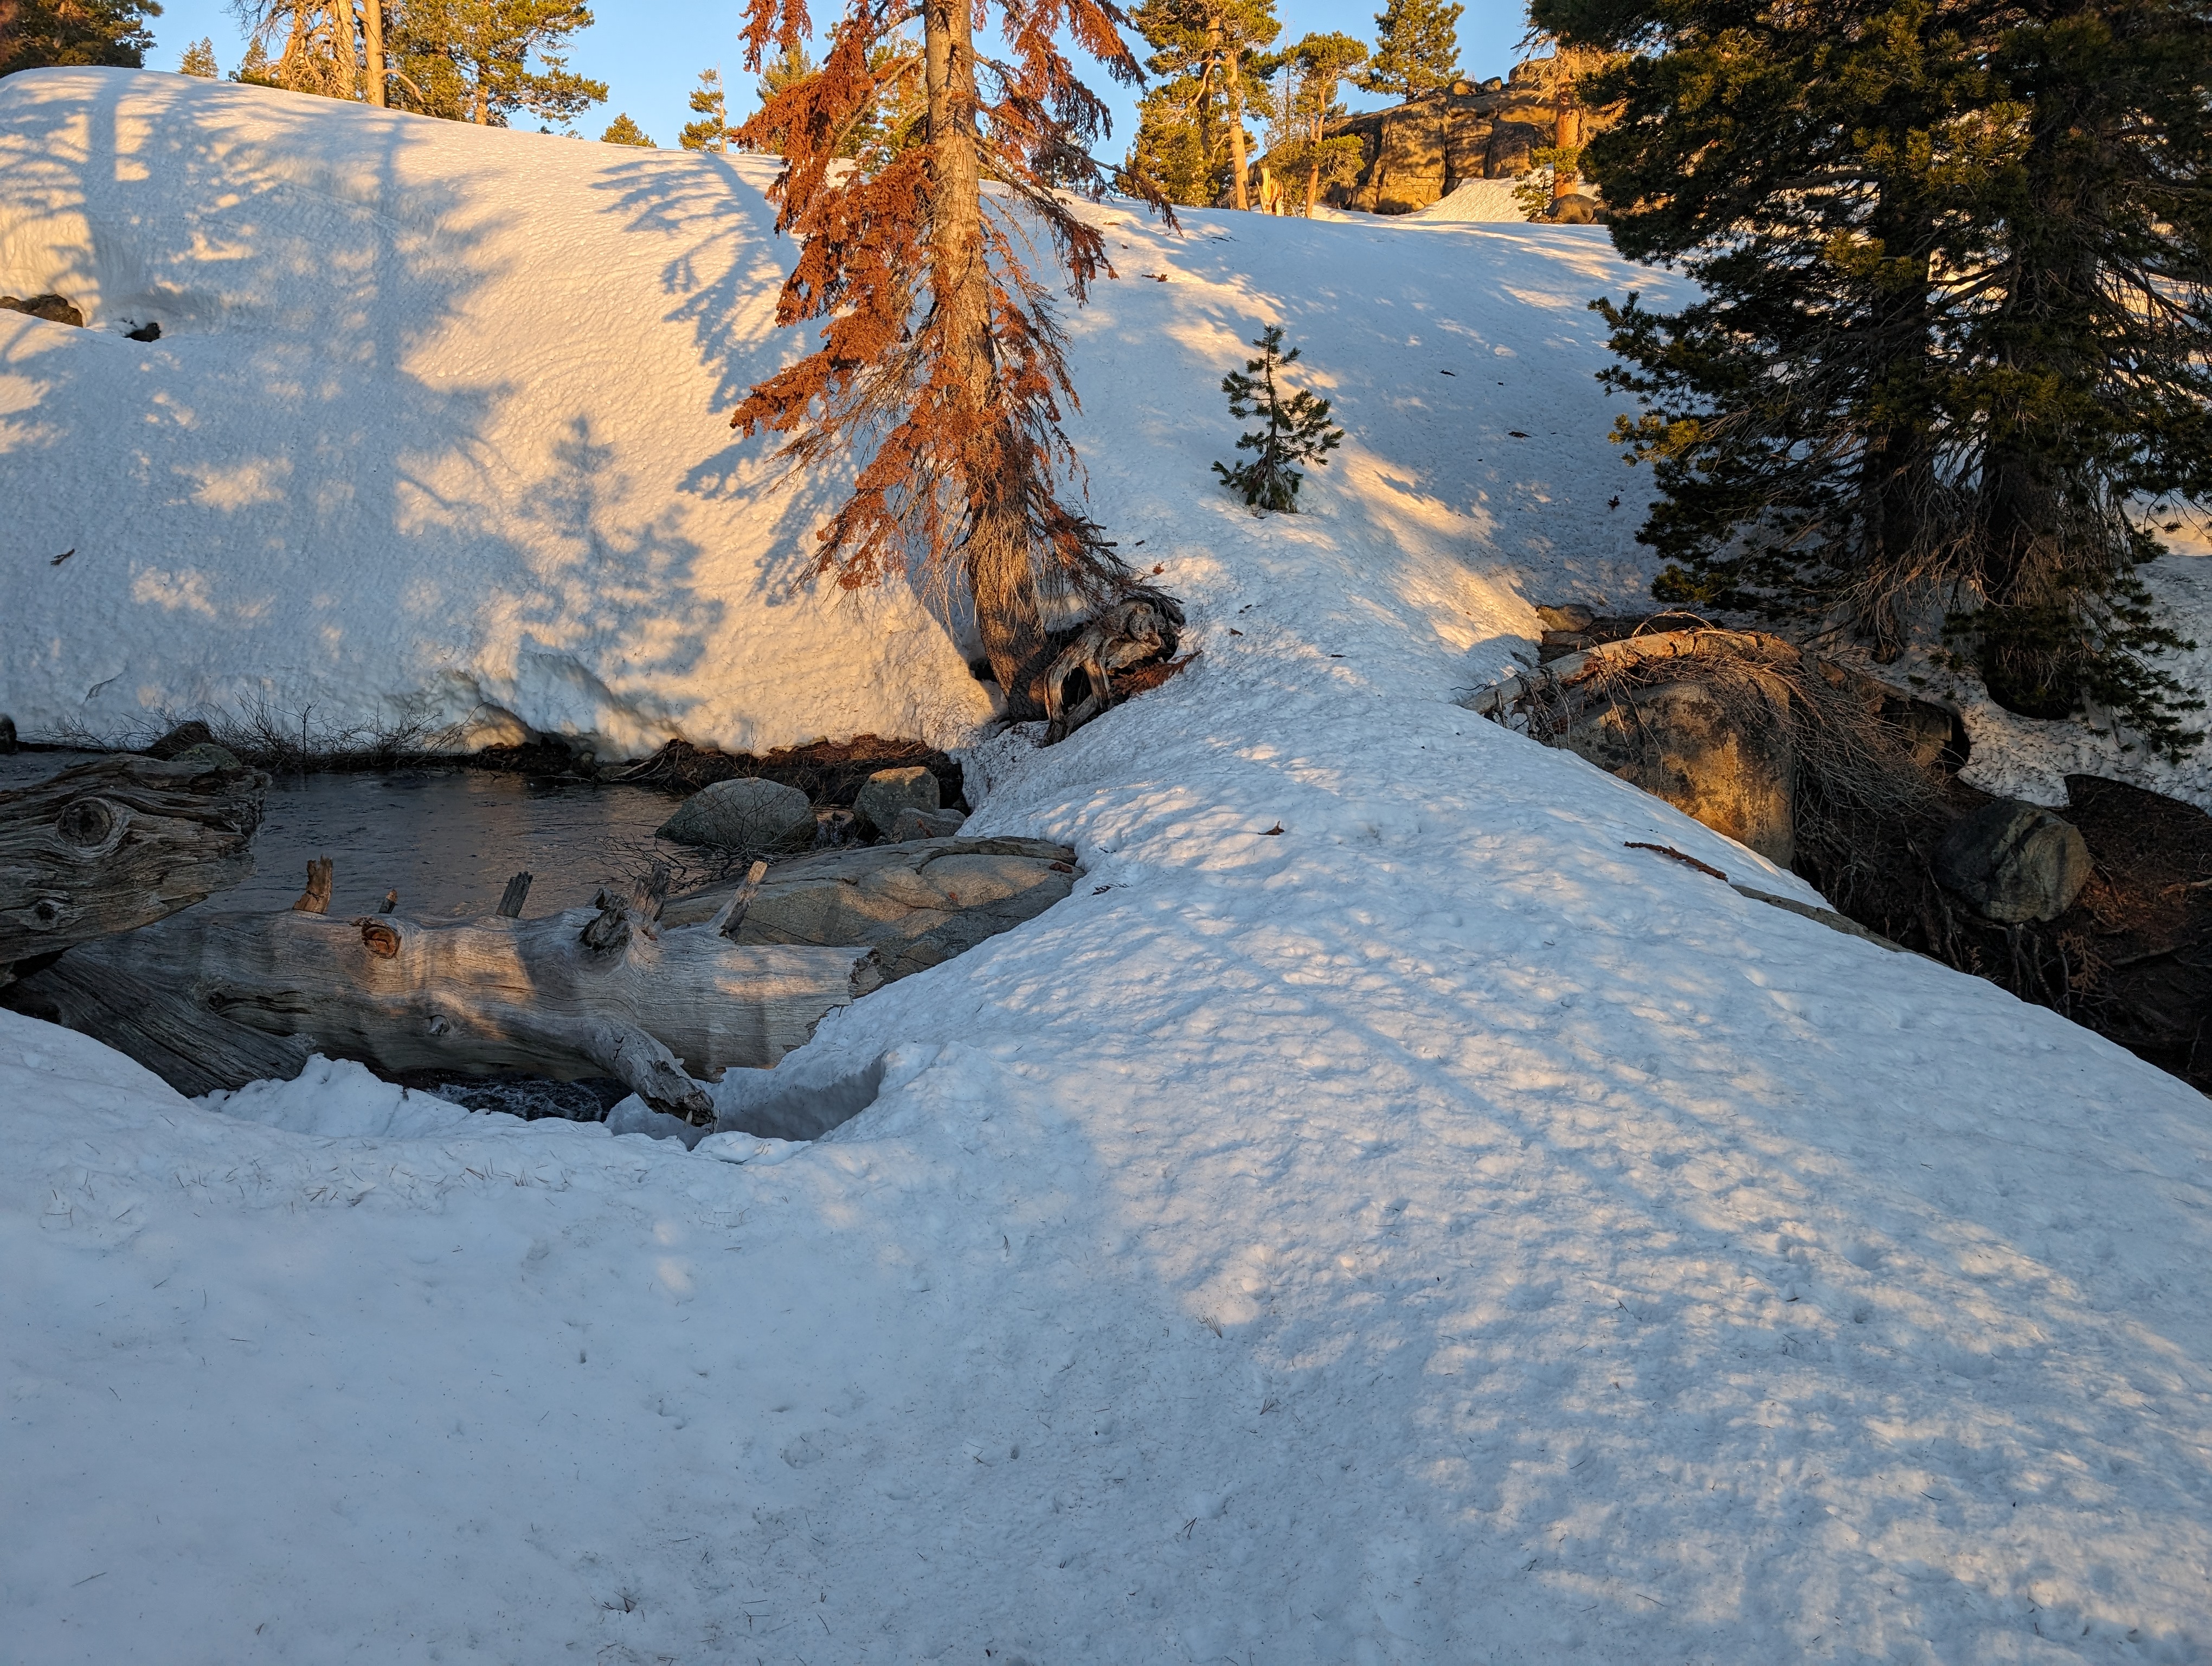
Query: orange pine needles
[941,358]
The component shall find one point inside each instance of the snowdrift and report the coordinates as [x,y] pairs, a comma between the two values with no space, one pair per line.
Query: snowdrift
[1473,200]
[435,431]
[1378,1217]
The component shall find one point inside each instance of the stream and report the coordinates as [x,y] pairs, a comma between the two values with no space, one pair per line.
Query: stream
[445,840]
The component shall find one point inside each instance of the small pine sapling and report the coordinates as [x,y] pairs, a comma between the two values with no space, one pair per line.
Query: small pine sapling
[1297,431]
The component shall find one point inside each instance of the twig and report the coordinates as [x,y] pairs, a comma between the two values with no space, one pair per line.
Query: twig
[732,914]
[1670,850]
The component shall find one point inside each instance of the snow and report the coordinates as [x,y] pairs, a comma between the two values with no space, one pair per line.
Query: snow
[2021,757]
[1379,1217]
[1475,200]
[433,434]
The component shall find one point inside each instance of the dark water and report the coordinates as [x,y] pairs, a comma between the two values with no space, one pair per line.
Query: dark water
[446,839]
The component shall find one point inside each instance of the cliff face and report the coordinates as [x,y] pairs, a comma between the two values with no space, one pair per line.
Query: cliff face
[1418,151]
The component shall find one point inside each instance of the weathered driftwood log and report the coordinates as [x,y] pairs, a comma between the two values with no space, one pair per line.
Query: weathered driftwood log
[116,844]
[216,1000]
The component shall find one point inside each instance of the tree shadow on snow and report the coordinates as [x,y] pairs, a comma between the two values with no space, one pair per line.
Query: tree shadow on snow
[326,490]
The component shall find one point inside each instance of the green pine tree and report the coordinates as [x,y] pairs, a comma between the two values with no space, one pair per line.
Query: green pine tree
[1308,107]
[623,130]
[1953,325]
[711,130]
[488,61]
[255,69]
[1416,48]
[1297,428]
[199,59]
[66,33]
[1170,150]
[1211,56]
[796,64]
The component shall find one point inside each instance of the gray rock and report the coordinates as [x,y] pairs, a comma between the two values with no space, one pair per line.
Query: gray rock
[208,753]
[887,792]
[1566,616]
[751,814]
[925,824]
[2015,862]
[7,734]
[916,904]
[1677,742]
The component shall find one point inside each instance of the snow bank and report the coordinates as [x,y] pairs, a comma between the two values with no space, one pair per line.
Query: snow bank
[1432,1232]
[434,431]
[434,428]
[1378,1217]
[1475,200]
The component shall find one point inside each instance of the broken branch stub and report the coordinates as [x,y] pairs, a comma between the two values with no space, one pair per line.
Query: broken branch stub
[517,892]
[316,898]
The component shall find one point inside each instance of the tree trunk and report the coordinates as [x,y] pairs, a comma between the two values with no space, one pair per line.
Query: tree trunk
[345,71]
[1001,573]
[1897,474]
[1209,147]
[214,1001]
[372,35]
[1313,163]
[1237,162]
[117,844]
[1566,135]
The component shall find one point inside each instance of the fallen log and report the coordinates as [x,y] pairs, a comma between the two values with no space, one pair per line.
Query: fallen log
[116,844]
[216,1000]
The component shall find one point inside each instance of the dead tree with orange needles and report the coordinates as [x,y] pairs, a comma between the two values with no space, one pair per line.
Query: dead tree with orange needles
[942,362]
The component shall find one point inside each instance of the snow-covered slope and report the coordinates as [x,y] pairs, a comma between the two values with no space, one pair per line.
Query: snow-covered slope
[1431,1232]
[435,427]
[1379,1217]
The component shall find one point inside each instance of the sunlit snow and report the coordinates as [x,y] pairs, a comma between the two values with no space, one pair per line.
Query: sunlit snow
[1430,1231]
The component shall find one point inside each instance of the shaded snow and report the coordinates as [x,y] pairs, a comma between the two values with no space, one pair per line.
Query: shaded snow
[1429,1232]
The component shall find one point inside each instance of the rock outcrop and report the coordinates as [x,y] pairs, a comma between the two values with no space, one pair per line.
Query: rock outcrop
[1679,742]
[54,309]
[1416,152]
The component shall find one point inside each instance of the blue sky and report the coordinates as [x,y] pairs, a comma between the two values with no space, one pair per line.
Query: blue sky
[650,54]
